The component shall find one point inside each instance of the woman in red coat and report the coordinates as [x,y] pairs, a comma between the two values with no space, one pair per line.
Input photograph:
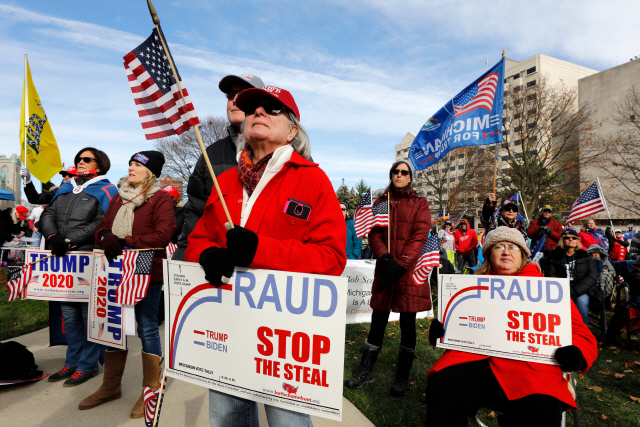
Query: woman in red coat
[286,217]
[393,287]
[140,216]
[527,393]
[590,235]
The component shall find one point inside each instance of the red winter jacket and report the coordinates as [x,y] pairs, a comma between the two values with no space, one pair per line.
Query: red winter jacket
[618,252]
[153,226]
[587,240]
[466,243]
[410,221]
[285,243]
[552,239]
[520,379]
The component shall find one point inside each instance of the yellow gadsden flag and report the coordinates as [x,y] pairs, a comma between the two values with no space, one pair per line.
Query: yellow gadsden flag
[43,156]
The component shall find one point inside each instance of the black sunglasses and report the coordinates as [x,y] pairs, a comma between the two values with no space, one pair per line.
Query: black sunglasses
[510,208]
[233,93]
[546,210]
[271,107]
[344,209]
[569,238]
[398,171]
[86,159]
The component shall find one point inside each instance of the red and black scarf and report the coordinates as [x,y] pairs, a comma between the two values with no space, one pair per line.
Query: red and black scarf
[249,173]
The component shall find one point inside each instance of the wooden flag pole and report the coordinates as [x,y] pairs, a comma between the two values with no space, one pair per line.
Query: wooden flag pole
[160,395]
[495,167]
[156,21]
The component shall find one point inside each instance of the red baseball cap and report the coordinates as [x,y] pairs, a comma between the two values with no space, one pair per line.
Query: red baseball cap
[280,95]
[71,170]
[23,212]
[173,191]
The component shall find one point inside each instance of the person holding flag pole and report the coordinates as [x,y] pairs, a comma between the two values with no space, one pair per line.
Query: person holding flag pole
[397,243]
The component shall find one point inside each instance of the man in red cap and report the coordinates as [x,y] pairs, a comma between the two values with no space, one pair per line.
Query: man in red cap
[45,197]
[222,155]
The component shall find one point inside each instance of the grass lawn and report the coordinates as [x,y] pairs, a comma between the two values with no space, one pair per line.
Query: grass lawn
[21,317]
[602,391]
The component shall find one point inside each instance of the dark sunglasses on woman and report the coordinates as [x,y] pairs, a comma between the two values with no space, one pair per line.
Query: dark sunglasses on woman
[271,107]
[86,159]
[510,209]
[398,171]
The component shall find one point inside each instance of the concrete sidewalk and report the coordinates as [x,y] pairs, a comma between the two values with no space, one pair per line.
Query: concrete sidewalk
[50,404]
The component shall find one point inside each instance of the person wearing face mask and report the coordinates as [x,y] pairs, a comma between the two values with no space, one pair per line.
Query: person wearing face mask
[571,261]
[591,235]
[545,228]
[354,244]
[68,223]
[140,216]
[507,215]
[526,394]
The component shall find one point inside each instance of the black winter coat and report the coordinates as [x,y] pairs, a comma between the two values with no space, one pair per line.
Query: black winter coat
[75,216]
[8,228]
[36,198]
[179,214]
[222,155]
[585,273]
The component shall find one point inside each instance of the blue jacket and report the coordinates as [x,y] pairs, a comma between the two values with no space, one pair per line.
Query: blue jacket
[354,244]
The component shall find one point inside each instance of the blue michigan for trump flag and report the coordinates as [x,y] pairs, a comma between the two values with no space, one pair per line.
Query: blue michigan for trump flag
[472,117]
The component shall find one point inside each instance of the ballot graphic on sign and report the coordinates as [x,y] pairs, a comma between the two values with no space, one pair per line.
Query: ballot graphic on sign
[515,317]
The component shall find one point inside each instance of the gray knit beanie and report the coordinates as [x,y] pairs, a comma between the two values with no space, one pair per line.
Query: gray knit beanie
[412,171]
[504,234]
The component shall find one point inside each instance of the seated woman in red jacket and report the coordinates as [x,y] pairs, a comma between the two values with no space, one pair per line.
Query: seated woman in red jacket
[286,215]
[527,393]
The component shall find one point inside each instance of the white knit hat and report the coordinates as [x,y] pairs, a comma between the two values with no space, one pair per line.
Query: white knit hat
[504,234]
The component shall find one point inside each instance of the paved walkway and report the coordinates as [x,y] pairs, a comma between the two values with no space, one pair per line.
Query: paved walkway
[50,404]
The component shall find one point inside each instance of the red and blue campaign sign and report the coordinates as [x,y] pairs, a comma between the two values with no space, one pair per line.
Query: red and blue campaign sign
[472,117]
[273,337]
[514,317]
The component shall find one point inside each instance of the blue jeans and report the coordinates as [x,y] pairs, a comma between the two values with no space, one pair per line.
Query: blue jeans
[230,411]
[81,353]
[582,304]
[36,236]
[147,318]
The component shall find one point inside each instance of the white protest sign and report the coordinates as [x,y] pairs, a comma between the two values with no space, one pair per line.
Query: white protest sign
[515,317]
[273,337]
[66,278]
[106,317]
[360,276]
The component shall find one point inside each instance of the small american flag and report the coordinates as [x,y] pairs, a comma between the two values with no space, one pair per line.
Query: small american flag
[156,92]
[83,282]
[100,329]
[136,276]
[171,249]
[477,96]
[150,403]
[34,279]
[381,214]
[364,217]
[17,283]
[429,258]
[589,203]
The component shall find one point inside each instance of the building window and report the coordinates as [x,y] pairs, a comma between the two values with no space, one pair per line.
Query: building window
[444,191]
[505,158]
[460,167]
[517,115]
[505,170]
[531,70]
[531,97]
[535,138]
[532,83]
[429,193]
[517,88]
[518,155]
[517,128]
[461,156]
[532,111]
[504,145]
[517,102]
[506,132]
[505,80]
[516,76]
[452,168]
[452,179]
[518,142]
[398,152]
[532,125]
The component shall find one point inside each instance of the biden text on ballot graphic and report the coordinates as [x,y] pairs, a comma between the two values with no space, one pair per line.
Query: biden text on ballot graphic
[515,317]
[274,337]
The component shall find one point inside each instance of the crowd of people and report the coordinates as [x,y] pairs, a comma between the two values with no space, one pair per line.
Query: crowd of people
[284,215]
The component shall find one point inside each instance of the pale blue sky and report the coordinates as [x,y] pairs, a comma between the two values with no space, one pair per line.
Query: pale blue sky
[362,72]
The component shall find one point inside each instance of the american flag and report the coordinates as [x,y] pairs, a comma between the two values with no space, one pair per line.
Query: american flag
[83,282]
[136,276]
[150,403]
[440,215]
[100,329]
[477,96]
[156,92]
[589,203]
[17,283]
[429,258]
[363,216]
[381,214]
[171,249]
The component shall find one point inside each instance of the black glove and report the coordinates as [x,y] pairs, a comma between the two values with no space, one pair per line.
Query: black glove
[546,230]
[436,331]
[217,265]
[242,244]
[390,268]
[570,358]
[59,246]
[112,246]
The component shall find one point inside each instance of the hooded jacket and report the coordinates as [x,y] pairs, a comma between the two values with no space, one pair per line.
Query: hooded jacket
[585,273]
[467,241]
[285,243]
[519,379]
[410,221]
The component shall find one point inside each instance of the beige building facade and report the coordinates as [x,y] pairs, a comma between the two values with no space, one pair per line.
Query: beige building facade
[10,179]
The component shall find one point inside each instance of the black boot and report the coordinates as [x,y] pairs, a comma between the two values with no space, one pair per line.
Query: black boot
[400,385]
[364,375]
[615,325]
